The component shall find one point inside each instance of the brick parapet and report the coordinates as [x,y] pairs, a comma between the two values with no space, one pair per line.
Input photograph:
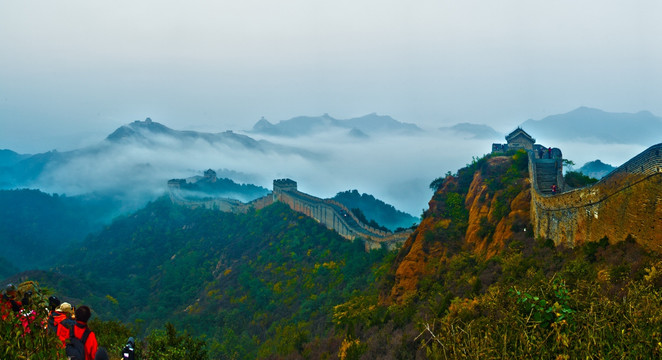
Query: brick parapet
[647,162]
[628,201]
[331,213]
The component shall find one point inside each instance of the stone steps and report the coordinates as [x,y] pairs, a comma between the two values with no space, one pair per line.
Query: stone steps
[545,176]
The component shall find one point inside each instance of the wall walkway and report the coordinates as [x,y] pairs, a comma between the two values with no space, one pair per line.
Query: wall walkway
[330,213]
[628,201]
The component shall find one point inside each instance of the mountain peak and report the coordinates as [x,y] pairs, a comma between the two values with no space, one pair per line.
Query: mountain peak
[136,128]
[306,125]
[262,125]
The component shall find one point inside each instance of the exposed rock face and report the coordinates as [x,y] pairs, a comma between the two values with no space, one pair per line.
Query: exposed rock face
[493,202]
[484,224]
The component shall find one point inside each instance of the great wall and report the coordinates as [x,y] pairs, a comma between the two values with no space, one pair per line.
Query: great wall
[330,213]
[626,202]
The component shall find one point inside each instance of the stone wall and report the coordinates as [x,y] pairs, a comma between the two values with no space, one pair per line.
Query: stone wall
[628,201]
[330,213]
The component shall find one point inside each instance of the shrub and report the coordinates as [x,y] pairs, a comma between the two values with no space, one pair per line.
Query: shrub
[24,334]
[168,345]
[576,179]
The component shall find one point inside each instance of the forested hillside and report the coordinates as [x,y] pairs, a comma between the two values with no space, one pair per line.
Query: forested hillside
[35,226]
[254,284]
[376,210]
[470,283]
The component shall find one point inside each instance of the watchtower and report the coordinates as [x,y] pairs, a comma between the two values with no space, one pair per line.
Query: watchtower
[285,185]
[518,139]
[210,175]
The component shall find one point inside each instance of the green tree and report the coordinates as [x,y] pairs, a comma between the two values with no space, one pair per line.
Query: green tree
[168,345]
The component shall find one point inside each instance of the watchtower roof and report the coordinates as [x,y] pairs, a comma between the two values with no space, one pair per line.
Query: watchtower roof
[519,132]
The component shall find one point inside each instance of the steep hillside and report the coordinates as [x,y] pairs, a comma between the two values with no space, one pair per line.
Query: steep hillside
[35,227]
[480,210]
[470,283]
[473,283]
[258,283]
[376,210]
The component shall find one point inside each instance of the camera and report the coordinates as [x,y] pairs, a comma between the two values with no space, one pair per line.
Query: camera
[128,351]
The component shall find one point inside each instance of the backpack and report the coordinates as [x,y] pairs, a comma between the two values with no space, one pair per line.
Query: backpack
[75,347]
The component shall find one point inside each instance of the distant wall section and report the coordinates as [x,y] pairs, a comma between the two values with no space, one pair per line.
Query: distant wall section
[330,213]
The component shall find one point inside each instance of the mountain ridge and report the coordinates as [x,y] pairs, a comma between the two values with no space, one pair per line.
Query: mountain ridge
[307,125]
[597,125]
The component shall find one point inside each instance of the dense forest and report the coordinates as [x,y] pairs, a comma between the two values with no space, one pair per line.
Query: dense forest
[375,212]
[253,284]
[471,282]
[35,226]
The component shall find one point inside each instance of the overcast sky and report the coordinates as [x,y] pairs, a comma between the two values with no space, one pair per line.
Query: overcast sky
[71,71]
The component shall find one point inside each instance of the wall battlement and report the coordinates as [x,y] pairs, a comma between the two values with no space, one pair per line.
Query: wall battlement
[330,213]
[626,202]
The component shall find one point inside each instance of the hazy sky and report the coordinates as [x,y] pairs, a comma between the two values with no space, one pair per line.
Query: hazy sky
[71,71]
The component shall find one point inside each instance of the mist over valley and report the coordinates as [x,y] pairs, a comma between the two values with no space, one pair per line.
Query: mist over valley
[393,161]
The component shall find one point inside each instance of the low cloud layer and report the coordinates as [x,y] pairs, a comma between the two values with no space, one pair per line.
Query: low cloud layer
[395,169]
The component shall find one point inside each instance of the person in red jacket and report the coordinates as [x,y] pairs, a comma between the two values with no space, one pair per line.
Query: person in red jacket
[63,314]
[62,311]
[82,314]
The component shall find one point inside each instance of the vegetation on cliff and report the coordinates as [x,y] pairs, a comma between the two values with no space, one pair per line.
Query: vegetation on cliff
[256,284]
[576,179]
[471,282]
[376,211]
[503,294]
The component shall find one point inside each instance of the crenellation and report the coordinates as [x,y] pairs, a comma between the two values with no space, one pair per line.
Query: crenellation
[617,206]
[330,213]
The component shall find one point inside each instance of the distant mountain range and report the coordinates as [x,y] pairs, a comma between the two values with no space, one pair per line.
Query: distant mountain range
[126,143]
[585,124]
[152,133]
[595,125]
[358,127]
[133,163]
[474,131]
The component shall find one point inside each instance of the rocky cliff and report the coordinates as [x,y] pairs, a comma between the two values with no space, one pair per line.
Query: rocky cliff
[481,209]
